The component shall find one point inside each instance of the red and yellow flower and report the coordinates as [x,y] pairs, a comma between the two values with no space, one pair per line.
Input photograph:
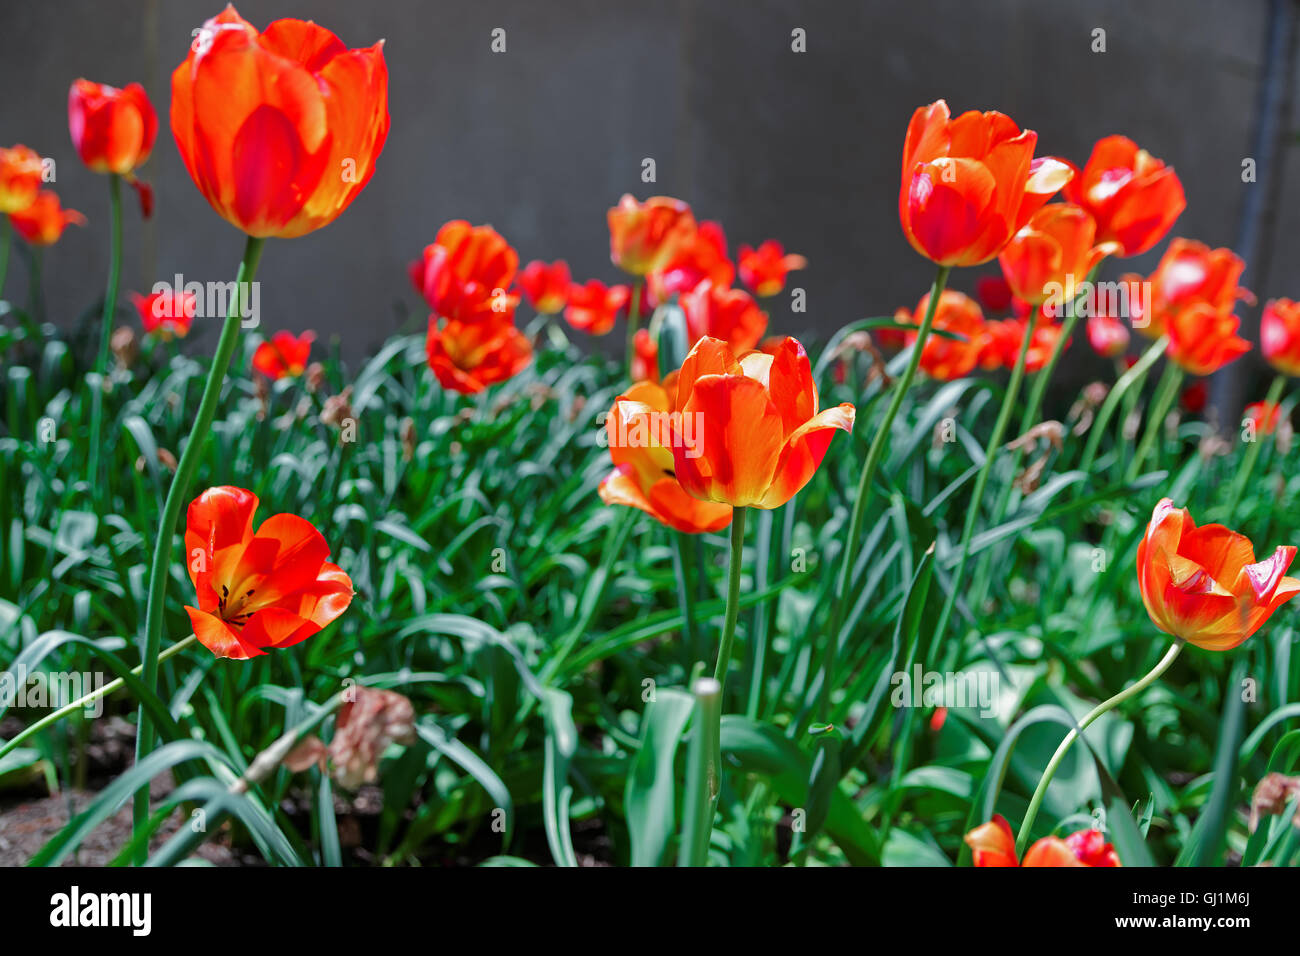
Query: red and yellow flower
[467,357]
[643,236]
[969,184]
[1279,335]
[731,315]
[42,221]
[465,274]
[112,130]
[166,314]
[751,433]
[699,255]
[274,588]
[594,307]
[1133,196]
[1203,585]
[1190,274]
[285,355]
[546,286]
[1052,256]
[21,174]
[947,358]
[992,844]
[764,269]
[279,130]
[640,429]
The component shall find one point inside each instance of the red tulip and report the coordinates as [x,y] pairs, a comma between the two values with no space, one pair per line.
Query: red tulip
[43,220]
[594,307]
[1263,417]
[284,355]
[992,844]
[699,255]
[994,294]
[1204,585]
[1107,335]
[465,274]
[547,287]
[945,358]
[640,427]
[1189,274]
[1279,335]
[1053,255]
[731,315]
[1134,197]
[751,432]
[1202,340]
[274,588]
[645,357]
[280,130]
[969,184]
[167,314]
[764,269]
[642,236]
[467,357]
[112,130]
[21,174]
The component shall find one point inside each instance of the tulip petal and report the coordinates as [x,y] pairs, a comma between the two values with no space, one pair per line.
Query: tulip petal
[219,637]
[992,844]
[803,453]
[737,440]
[1051,851]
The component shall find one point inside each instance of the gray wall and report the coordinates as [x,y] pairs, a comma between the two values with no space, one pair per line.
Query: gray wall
[539,141]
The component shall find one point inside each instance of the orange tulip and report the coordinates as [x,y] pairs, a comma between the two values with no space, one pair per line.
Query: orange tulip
[764,269]
[1189,274]
[465,274]
[695,257]
[751,432]
[1052,255]
[285,355]
[547,287]
[1107,335]
[594,307]
[945,358]
[640,429]
[1134,197]
[969,184]
[1202,340]
[642,236]
[467,357]
[256,591]
[728,314]
[43,220]
[1279,335]
[992,844]
[280,130]
[112,130]
[21,174]
[1203,585]
[167,314]
[1263,417]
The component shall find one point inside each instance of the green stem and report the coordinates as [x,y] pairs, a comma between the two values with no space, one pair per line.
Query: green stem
[697,813]
[981,481]
[1161,402]
[1252,451]
[109,688]
[1130,378]
[684,571]
[1091,716]
[734,567]
[162,554]
[865,482]
[105,329]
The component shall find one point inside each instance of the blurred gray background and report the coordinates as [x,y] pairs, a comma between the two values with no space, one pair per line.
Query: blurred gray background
[540,140]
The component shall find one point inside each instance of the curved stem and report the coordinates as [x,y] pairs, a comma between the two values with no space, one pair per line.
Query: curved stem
[1252,452]
[1126,381]
[162,554]
[110,688]
[1160,405]
[874,455]
[106,329]
[1041,791]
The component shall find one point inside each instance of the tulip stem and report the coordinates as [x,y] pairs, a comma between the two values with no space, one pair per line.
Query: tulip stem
[110,688]
[982,479]
[1252,451]
[865,482]
[1161,402]
[1126,381]
[1037,800]
[105,329]
[160,566]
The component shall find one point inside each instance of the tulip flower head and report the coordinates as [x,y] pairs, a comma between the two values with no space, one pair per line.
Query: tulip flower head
[992,844]
[969,184]
[465,274]
[1133,196]
[546,286]
[1262,417]
[1203,585]
[1279,335]
[284,356]
[467,357]
[42,221]
[731,315]
[752,433]
[645,357]
[948,358]
[166,314]
[21,174]
[1190,274]
[274,588]
[698,255]
[594,307]
[1107,335]
[280,130]
[1051,257]
[640,428]
[112,130]
[764,269]
[643,236]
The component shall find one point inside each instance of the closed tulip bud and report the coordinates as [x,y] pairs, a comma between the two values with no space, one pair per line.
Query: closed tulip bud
[1133,196]
[112,130]
[643,236]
